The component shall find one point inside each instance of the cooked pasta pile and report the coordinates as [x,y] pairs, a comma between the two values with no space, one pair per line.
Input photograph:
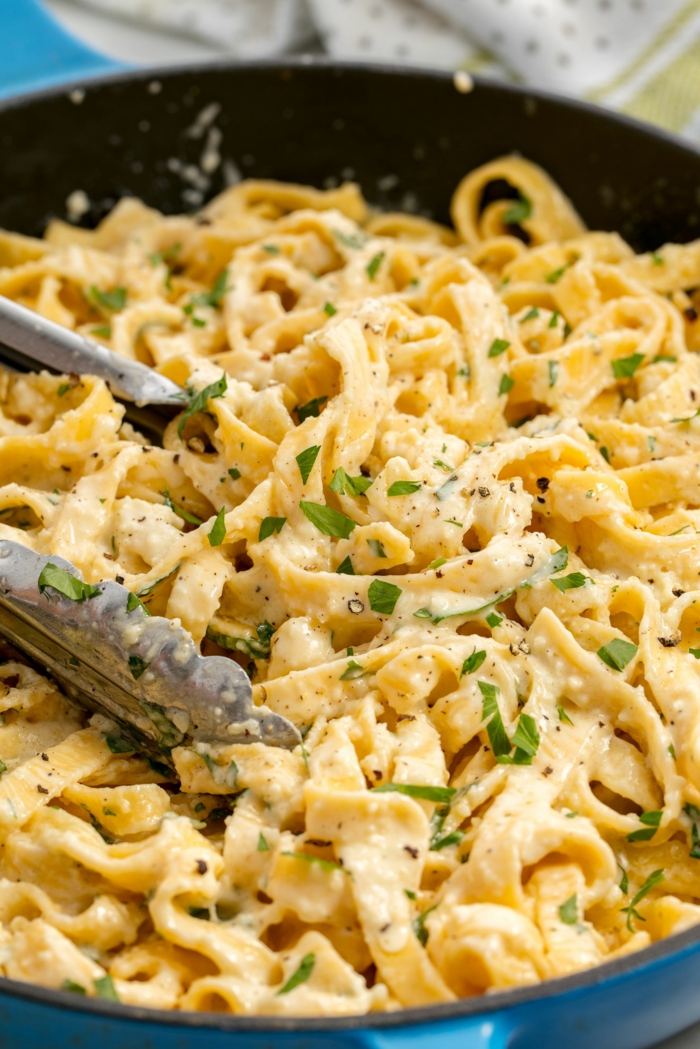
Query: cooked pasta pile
[460,481]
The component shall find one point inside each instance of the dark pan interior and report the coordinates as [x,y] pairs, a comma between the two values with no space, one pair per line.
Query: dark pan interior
[407,137]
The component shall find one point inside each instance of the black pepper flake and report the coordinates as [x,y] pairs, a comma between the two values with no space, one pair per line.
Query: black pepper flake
[119,579]
[484,492]
[318,842]
[44,757]
[540,499]
[543,483]
[690,314]
[42,790]
[355,606]
[548,771]
[411,851]
[202,866]
[511,486]
[670,642]
[385,927]
[529,560]
[678,592]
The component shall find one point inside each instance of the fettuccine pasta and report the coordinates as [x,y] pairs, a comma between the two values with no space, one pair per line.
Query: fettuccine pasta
[438,492]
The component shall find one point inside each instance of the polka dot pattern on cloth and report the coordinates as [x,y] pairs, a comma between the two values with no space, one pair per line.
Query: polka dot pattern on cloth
[639,56]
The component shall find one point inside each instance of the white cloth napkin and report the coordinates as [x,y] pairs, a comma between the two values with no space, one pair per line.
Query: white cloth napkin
[639,56]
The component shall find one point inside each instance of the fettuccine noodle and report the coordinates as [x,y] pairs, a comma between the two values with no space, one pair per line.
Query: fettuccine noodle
[439,494]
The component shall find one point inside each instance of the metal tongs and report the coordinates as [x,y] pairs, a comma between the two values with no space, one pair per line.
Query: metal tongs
[99,644]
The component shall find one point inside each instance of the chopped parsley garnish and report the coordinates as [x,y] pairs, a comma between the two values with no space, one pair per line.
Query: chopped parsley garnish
[506,386]
[438,795]
[694,652]
[500,744]
[571,581]
[498,346]
[437,563]
[493,619]
[104,988]
[311,409]
[553,367]
[568,912]
[301,975]
[270,525]
[113,300]
[449,839]
[218,530]
[530,315]
[553,319]
[419,925]
[657,260]
[556,275]
[526,737]
[625,367]
[117,745]
[403,488]
[199,401]
[262,843]
[654,879]
[343,484]
[353,671]
[376,547]
[271,249]
[137,666]
[327,865]
[184,514]
[330,309]
[445,490]
[518,211]
[327,520]
[215,296]
[234,473]
[563,716]
[148,589]
[350,240]
[345,567]
[103,330]
[373,266]
[305,461]
[133,602]
[472,662]
[423,613]
[687,418]
[63,389]
[65,583]
[605,453]
[74,988]
[617,653]
[651,821]
[383,596]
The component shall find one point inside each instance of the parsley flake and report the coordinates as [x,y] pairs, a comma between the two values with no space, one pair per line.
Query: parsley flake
[199,401]
[498,346]
[65,583]
[403,488]
[327,520]
[383,596]
[625,367]
[617,653]
[311,409]
[305,461]
[218,531]
[270,525]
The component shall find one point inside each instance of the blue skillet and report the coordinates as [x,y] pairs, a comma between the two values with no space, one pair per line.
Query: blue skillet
[407,137]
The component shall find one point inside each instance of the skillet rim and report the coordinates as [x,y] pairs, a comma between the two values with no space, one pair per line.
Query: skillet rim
[675,946]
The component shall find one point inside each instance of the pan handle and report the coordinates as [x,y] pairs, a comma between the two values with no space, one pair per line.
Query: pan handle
[38,52]
[494,1031]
